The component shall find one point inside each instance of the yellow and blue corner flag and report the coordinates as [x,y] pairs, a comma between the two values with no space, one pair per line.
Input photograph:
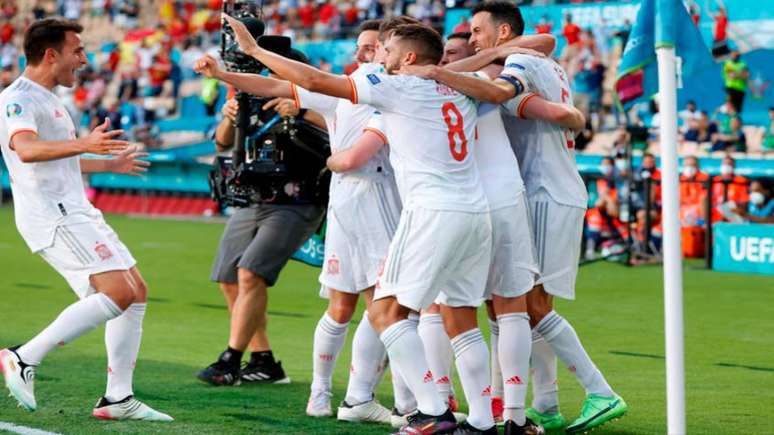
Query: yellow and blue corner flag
[660,23]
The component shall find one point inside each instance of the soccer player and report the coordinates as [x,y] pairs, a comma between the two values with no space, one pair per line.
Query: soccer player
[362,215]
[444,234]
[514,269]
[557,200]
[40,148]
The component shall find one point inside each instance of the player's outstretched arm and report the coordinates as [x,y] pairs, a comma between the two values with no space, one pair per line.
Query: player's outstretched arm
[484,90]
[306,76]
[369,143]
[30,149]
[529,44]
[126,162]
[251,83]
[533,106]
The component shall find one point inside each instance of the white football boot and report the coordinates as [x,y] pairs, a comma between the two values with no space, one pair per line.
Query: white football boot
[127,409]
[19,378]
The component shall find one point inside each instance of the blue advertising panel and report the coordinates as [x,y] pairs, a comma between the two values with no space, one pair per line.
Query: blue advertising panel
[743,248]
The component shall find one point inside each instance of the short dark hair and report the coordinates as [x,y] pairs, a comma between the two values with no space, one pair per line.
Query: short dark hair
[45,34]
[369,25]
[389,25]
[503,13]
[459,35]
[428,41]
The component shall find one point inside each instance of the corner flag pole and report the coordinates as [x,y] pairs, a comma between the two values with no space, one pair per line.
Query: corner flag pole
[673,262]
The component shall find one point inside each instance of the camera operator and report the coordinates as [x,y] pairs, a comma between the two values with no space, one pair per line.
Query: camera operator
[256,244]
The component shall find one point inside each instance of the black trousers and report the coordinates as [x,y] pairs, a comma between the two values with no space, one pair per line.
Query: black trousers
[737,98]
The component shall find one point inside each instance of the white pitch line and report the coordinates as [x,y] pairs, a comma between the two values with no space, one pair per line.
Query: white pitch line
[23,430]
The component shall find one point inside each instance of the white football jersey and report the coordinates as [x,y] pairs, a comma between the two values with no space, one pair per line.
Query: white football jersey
[345,121]
[496,162]
[431,129]
[46,194]
[546,152]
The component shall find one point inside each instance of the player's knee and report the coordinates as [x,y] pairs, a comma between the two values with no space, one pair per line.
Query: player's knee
[537,311]
[341,312]
[122,296]
[140,292]
[250,281]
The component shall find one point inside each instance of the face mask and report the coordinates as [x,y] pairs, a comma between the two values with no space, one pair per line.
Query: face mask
[621,165]
[689,171]
[726,169]
[607,169]
[757,198]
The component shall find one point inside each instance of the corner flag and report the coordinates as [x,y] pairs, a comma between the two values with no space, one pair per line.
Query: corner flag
[660,23]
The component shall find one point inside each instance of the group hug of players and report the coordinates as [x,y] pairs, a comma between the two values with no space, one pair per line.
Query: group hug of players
[455,184]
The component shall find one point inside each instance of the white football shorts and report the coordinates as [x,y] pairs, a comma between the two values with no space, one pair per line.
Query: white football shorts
[514,270]
[362,218]
[438,253]
[84,249]
[557,230]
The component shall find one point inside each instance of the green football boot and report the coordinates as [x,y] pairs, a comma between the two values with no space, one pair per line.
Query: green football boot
[598,410]
[550,422]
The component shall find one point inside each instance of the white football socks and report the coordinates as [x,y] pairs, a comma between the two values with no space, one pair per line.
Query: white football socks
[545,387]
[565,343]
[407,354]
[497,374]
[515,343]
[472,359]
[404,400]
[329,337]
[367,356]
[76,320]
[438,350]
[122,341]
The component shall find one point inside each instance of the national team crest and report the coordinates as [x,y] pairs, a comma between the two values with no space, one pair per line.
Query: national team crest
[333,266]
[103,251]
[13,109]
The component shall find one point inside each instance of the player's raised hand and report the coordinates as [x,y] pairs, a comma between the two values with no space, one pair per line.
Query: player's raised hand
[246,42]
[423,71]
[506,50]
[100,141]
[207,66]
[128,162]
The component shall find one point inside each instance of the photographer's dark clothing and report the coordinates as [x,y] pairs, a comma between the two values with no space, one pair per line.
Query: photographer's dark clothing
[262,239]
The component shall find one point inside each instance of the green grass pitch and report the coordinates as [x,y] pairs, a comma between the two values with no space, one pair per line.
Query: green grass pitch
[619,316]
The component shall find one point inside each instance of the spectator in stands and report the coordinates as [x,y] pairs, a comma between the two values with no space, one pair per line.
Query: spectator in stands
[735,76]
[647,173]
[761,206]
[687,115]
[693,193]
[701,130]
[721,25]
[768,136]
[589,73]
[732,139]
[545,25]
[728,187]
[603,219]
[571,31]
[463,25]
[158,72]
